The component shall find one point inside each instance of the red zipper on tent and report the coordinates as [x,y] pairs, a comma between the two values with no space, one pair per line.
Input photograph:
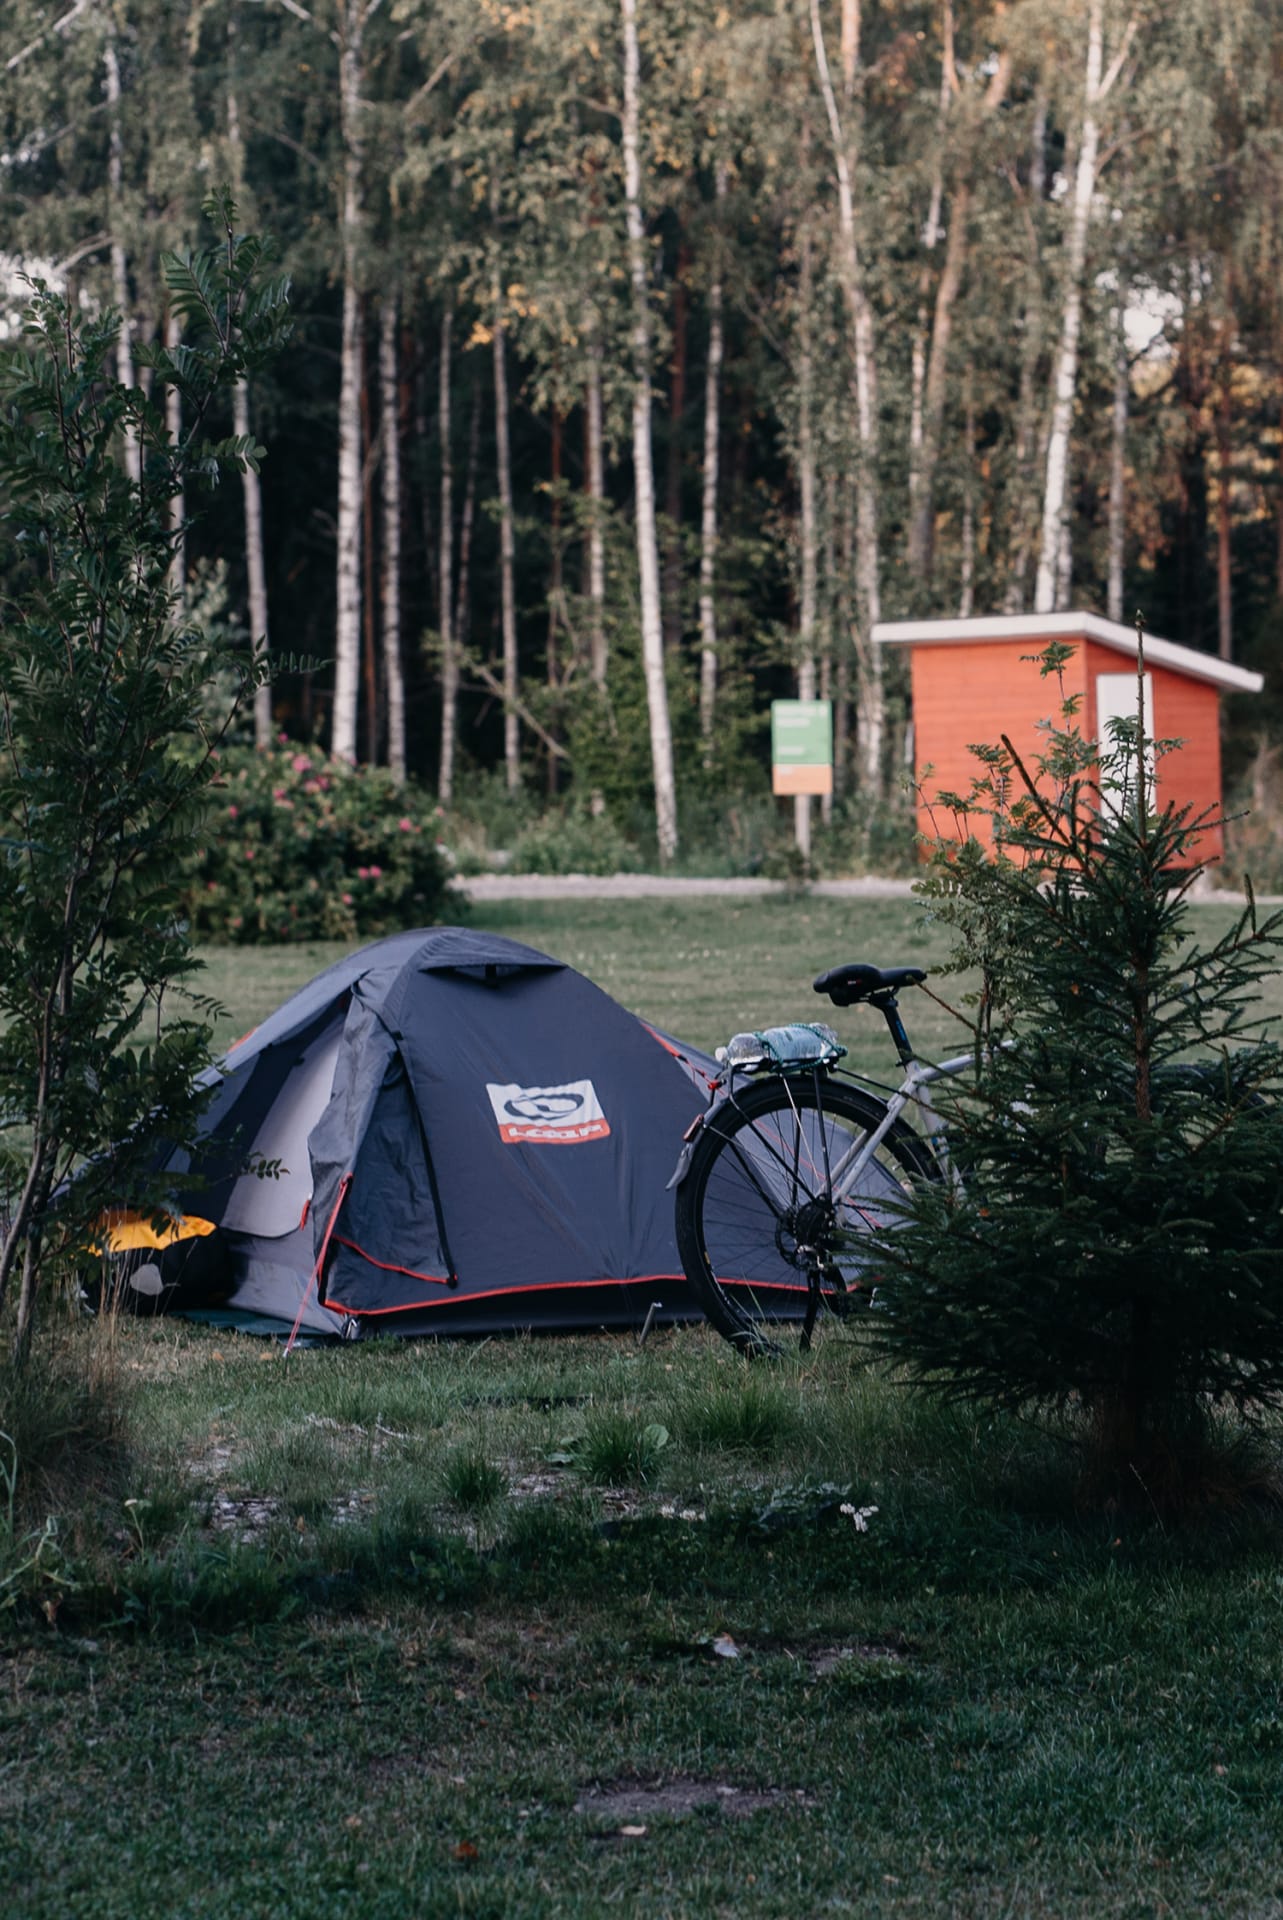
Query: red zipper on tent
[315,1275]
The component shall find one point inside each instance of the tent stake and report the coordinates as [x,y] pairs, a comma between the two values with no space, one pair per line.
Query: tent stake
[648,1322]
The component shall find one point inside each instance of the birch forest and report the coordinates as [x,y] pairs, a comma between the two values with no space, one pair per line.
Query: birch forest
[648,352]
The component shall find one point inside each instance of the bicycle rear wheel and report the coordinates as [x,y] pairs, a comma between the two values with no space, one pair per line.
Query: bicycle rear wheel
[764,1237]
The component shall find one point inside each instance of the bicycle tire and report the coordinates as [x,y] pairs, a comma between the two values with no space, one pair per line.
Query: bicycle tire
[756,1222]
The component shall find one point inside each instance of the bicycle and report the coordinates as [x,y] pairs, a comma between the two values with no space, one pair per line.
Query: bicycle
[780,1181]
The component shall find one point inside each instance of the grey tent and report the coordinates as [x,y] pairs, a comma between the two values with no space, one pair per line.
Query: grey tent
[444,1132]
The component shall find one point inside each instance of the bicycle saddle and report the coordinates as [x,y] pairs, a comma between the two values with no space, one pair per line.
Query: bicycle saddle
[847,986]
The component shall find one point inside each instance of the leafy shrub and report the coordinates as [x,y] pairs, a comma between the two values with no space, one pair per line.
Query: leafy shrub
[486,818]
[574,840]
[105,771]
[301,847]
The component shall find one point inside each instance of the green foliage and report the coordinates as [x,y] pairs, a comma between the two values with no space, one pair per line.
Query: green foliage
[745,1414]
[1117,1243]
[301,847]
[472,1481]
[1254,823]
[617,1447]
[106,756]
[63,1415]
[573,839]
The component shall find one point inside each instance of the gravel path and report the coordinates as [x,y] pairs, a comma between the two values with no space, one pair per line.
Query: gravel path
[659,886]
[656,886]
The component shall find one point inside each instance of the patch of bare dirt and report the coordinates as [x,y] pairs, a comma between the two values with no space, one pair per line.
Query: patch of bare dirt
[640,1800]
[538,1485]
[376,1437]
[826,1660]
[245,1521]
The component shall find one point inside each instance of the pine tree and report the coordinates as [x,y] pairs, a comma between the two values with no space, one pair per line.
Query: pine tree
[1115,1242]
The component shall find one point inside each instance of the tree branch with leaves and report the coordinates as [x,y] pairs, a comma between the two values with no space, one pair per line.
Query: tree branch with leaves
[106,759]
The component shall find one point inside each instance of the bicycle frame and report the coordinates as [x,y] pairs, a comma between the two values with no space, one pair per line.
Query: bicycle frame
[915,1089]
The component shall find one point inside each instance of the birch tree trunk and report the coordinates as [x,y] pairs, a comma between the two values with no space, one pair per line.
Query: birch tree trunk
[1117,535]
[119,260]
[507,558]
[1224,477]
[930,238]
[390,559]
[1055,553]
[369,596]
[255,569]
[596,482]
[251,485]
[347,630]
[671,590]
[1029,453]
[871,721]
[708,515]
[922,524]
[810,545]
[661,744]
[849,47]
[1064,563]
[445,577]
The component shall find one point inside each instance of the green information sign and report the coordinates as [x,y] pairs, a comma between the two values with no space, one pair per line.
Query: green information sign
[802,746]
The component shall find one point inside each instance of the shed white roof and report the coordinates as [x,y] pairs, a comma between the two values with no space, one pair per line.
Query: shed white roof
[1070,626]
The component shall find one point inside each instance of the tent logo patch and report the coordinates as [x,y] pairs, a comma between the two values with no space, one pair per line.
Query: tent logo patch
[548,1116]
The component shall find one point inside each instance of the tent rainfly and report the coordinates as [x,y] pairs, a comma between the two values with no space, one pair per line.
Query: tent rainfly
[444,1132]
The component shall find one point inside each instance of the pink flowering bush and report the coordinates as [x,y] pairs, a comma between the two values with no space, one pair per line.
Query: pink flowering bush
[301,847]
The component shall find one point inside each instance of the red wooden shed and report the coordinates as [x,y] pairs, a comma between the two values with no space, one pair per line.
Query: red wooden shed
[973,680]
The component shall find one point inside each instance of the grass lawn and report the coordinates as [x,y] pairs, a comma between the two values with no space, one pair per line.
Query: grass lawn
[698,968]
[573,1627]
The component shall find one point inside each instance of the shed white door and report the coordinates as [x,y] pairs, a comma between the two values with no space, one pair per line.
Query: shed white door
[1116,700]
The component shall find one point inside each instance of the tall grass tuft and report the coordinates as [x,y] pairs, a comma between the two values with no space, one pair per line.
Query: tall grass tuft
[64,1462]
[746,1414]
[619,1448]
[472,1482]
[64,1416]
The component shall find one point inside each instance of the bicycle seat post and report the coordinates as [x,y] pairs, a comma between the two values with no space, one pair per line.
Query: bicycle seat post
[889,1007]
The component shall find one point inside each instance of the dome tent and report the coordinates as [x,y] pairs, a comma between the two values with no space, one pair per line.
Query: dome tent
[446,1132]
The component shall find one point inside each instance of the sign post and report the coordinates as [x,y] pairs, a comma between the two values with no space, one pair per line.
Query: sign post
[802,758]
